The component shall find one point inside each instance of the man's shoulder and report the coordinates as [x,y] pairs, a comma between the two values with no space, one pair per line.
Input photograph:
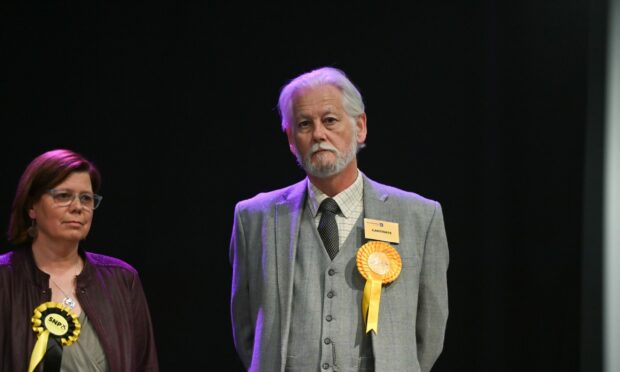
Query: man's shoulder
[265,199]
[392,192]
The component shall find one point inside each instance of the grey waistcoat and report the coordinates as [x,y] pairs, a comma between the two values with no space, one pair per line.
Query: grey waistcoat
[327,330]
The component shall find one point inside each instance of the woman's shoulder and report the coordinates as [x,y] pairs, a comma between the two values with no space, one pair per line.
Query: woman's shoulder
[101,261]
[6,258]
[13,256]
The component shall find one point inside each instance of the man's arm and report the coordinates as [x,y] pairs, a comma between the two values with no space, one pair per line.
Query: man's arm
[243,329]
[433,294]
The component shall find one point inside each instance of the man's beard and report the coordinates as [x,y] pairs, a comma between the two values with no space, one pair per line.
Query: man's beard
[324,169]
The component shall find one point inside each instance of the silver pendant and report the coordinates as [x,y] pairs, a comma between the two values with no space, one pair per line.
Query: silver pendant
[69,302]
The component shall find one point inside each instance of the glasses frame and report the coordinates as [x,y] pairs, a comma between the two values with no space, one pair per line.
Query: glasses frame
[96,198]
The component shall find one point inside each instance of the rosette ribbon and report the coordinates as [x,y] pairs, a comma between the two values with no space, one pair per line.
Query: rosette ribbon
[379,263]
[56,326]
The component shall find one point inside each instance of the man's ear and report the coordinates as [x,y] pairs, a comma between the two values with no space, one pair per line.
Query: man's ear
[362,130]
[291,140]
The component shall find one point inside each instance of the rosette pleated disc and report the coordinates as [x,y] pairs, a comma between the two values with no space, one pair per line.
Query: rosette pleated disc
[378,261]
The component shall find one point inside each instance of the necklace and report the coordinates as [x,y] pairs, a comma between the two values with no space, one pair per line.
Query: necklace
[68,300]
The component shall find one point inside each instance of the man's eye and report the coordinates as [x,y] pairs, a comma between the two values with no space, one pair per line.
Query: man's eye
[303,125]
[330,120]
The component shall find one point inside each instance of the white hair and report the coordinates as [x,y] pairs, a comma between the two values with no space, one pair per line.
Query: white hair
[352,99]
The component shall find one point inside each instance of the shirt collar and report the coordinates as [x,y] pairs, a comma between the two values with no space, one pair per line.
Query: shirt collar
[346,199]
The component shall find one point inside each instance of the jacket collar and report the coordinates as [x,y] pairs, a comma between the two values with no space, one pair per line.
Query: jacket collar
[24,263]
[376,204]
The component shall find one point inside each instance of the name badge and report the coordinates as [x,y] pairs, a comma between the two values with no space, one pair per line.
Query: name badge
[381,230]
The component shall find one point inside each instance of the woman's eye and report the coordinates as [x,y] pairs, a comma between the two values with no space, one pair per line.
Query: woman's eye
[85,198]
[64,196]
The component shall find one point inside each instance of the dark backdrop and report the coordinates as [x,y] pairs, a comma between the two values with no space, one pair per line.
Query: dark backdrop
[480,105]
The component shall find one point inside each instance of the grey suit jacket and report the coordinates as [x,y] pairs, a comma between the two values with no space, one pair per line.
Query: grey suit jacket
[413,310]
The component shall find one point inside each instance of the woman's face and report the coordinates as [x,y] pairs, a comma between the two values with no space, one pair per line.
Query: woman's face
[64,223]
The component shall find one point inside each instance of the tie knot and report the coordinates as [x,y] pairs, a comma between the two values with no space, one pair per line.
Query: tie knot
[329,205]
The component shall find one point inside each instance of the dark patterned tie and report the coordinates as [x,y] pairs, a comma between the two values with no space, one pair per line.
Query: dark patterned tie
[328,229]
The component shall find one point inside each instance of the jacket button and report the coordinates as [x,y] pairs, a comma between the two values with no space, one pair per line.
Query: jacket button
[44,291]
[331,272]
[329,318]
[82,291]
[325,365]
[327,341]
[330,294]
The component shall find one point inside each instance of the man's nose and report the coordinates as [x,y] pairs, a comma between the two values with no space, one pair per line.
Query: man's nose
[319,132]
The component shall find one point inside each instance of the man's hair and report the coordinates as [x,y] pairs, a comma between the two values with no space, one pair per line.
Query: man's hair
[43,173]
[352,99]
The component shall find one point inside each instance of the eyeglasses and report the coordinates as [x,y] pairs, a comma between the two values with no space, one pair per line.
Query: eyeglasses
[64,198]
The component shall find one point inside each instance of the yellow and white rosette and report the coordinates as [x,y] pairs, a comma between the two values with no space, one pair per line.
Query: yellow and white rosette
[54,323]
[379,263]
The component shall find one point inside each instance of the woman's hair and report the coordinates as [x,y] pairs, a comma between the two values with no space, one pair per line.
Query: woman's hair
[352,99]
[43,173]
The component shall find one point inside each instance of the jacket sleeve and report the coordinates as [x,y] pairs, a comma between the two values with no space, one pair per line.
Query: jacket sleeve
[144,343]
[243,329]
[4,321]
[433,293]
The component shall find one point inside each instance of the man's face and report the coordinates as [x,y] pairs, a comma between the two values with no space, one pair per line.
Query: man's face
[321,134]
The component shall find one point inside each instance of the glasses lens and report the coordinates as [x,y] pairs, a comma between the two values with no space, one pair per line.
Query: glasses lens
[87,200]
[97,200]
[62,197]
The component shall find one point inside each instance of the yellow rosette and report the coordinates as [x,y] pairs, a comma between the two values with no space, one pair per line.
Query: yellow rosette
[53,323]
[379,263]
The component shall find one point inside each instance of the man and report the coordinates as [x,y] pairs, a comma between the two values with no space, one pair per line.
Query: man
[298,296]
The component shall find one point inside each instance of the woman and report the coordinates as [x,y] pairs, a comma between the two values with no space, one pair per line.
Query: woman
[52,212]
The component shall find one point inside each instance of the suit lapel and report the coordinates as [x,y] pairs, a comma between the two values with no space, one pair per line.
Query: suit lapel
[375,201]
[287,221]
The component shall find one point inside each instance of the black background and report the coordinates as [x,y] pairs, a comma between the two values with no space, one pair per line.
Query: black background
[480,105]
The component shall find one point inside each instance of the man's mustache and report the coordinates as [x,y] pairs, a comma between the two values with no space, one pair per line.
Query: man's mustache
[323,146]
